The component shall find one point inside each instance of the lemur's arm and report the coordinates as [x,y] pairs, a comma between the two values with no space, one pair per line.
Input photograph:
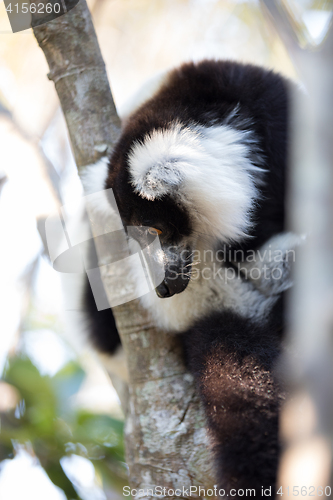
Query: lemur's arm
[270,267]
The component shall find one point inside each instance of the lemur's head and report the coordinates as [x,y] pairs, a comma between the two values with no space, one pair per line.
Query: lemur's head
[185,184]
[157,211]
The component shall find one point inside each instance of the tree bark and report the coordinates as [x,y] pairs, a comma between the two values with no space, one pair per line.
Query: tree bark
[166,441]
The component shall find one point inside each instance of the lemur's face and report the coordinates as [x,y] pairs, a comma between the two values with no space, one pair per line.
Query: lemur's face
[163,230]
[164,219]
[151,208]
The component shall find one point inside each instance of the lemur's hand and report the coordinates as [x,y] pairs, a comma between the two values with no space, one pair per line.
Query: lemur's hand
[270,269]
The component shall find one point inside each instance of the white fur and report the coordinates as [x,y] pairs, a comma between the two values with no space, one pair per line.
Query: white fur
[93,176]
[215,288]
[99,201]
[209,170]
[204,296]
[93,179]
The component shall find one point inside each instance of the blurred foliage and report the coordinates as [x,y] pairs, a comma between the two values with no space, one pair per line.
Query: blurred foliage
[46,419]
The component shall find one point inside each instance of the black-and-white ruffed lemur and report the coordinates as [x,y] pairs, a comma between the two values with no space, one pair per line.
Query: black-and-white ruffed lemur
[202,163]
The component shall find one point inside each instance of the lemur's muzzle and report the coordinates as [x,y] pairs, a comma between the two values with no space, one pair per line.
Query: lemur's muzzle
[168,287]
[177,276]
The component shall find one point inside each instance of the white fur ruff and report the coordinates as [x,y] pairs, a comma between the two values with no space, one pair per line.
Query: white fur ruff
[213,292]
[208,169]
[217,288]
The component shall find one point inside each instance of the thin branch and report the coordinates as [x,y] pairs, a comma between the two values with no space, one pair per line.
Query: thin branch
[286,28]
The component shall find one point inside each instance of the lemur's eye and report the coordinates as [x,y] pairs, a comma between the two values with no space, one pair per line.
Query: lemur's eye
[153,231]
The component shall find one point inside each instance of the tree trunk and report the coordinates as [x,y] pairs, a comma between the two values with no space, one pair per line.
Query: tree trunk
[166,441]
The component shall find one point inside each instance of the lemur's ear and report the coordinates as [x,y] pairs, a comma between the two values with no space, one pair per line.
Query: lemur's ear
[158,180]
[159,162]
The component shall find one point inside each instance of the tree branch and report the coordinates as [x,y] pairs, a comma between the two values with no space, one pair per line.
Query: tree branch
[165,431]
[285,27]
[77,68]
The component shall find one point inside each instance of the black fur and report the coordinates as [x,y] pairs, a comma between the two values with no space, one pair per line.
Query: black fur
[232,358]
[207,93]
[233,362]
[101,324]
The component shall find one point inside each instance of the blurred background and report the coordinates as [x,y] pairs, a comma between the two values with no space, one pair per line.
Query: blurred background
[61,423]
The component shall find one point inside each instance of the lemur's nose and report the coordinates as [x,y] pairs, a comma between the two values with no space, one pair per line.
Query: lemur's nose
[162,290]
[172,285]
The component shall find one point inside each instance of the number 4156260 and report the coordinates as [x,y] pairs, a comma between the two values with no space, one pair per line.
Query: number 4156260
[32,8]
[304,491]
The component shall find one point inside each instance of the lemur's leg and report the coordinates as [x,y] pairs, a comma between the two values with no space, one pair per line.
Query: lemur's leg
[232,359]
